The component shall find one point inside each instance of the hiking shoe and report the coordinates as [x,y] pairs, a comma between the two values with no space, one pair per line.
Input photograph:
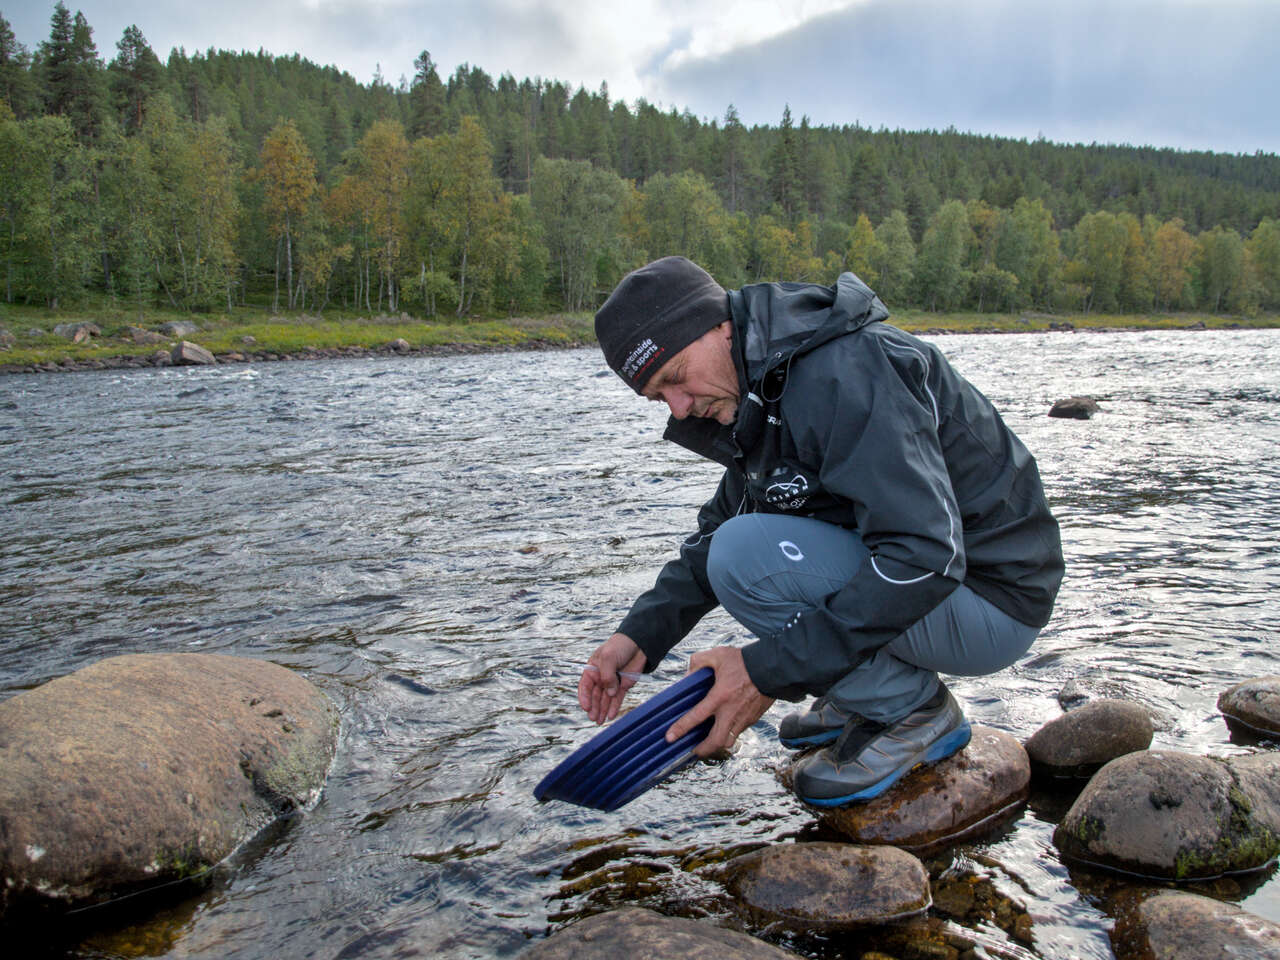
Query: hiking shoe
[820,724]
[869,758]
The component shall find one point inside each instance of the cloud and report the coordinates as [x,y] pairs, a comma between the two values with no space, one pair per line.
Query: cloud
[1188,74]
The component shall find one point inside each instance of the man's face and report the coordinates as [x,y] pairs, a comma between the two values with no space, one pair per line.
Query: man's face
[700,380]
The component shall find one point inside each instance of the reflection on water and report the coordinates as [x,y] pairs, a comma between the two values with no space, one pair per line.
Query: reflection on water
[438,543]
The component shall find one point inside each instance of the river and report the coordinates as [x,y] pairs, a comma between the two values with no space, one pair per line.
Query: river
[438,543]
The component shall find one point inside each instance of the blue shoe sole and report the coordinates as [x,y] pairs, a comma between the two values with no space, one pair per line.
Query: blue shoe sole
[954,741]
[814,740]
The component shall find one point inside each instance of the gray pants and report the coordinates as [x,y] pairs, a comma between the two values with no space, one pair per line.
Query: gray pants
[763,566]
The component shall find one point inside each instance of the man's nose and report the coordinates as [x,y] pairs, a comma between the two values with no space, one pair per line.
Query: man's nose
[680,404]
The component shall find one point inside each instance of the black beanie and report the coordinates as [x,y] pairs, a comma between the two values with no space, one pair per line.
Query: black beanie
[656,312]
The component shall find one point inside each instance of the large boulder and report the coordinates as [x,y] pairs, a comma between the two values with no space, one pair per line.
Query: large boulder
[1254,704]
[963,796]
[148,768]
[1174,925]
[828,886]
[1082,740]
[637,934]
[1176,815]
[187,353]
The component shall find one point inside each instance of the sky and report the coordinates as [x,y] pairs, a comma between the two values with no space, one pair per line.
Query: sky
[1188,74]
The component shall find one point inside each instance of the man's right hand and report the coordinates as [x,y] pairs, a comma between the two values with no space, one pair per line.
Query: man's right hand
[601,690]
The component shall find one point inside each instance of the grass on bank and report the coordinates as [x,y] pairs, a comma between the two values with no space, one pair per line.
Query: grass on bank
[34,342]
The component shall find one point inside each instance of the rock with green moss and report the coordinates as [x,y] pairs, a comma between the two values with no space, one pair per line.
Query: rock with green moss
[1254,704]
[143,769]
[828,886]
[1176,816]
[1175,925]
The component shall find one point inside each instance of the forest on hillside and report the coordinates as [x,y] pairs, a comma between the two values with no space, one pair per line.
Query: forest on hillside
[220,179]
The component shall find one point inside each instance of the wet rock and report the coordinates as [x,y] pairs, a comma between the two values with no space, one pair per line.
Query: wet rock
[148,768]
[187,353]
[1254,704]
[1177,816]
[77,332]
[399,345]
[1074,408]
[963,796]
[179,328]
[637,934]
[142,335]
[1082,740]
[1175,925]
[828,886]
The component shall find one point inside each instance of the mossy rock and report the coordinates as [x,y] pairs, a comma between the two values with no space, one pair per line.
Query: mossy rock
[143,769]
[1176,816]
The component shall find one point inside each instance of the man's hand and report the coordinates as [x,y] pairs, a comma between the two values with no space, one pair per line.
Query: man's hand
[733,700]
[601,690]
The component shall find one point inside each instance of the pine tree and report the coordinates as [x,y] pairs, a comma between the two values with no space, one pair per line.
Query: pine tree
[135,78]
[785,180]
[427,109]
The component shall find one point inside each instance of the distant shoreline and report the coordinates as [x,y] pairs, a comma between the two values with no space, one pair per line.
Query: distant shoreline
[916,325]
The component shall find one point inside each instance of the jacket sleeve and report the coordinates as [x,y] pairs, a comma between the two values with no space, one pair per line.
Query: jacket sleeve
[662,616]
[874,436]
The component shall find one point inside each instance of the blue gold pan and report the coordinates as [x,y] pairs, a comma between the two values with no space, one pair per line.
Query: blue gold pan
[631,755]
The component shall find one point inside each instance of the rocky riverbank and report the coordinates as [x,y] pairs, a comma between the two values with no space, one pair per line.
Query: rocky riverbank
[142,772]
[1148,822]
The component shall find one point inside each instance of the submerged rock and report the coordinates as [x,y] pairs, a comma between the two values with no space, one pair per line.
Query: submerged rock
[828,886]
[1082,740]
[930,808]
[1185,926]
[148,768]
[190,354]
[1176,815]
[1253,703]
[1074,408]
[633,933]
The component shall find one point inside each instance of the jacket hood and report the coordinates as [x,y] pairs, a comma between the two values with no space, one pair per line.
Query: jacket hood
[778,321]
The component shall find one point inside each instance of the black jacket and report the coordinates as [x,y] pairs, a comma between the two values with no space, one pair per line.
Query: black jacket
[854,422]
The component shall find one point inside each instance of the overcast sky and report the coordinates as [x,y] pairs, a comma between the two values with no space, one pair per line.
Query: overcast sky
[1192,74]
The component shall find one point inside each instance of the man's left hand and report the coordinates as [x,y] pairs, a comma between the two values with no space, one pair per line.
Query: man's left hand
[733,700]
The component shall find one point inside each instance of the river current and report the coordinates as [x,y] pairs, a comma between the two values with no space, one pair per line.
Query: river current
[438,543]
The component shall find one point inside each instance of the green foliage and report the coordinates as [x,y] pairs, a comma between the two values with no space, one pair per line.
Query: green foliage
[940,268]
[580,208]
